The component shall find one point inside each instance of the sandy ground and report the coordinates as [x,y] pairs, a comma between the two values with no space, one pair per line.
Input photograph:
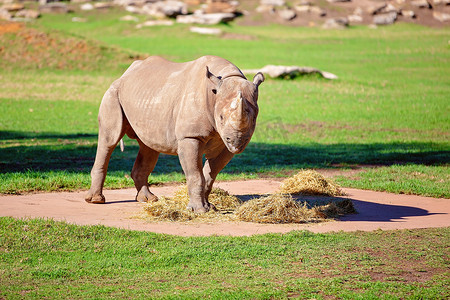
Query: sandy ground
[376,210]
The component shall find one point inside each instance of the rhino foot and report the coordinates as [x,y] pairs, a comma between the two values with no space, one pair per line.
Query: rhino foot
[201,209]
[145,195]
[95,199]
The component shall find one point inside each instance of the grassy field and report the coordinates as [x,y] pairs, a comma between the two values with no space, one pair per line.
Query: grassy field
[47,259]
[388,109]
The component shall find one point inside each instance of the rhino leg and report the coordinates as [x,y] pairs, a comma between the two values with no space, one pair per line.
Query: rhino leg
[143,166]
[213,166]
[111,130]
[190,154]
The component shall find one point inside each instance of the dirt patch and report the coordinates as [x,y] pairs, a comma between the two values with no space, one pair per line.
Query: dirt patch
[376,210]
[31,48]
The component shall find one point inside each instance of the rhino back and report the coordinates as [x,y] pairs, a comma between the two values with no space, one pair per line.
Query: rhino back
[165,102]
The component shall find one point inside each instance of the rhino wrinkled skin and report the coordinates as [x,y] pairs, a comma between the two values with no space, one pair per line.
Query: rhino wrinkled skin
[202,107]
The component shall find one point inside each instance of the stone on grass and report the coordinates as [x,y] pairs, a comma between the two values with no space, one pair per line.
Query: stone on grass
[129,18]
[87,6]
[385,19]
[287,14]
[206,19]
[336,23]
[5,15]
[273,2]
[441,17]
[155,23]
[421,3]
[206,30]
[56,7]
[408,14]
[27,14]
[289,71]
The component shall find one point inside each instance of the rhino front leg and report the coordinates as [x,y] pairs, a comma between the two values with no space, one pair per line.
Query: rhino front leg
[190,154]
[143,166]
[213,166]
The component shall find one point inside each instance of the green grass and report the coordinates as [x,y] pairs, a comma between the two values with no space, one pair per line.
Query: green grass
[405,179]
[47,259]
[389,105]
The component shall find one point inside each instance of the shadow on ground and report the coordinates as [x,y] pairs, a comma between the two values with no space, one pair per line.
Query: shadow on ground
[23,151]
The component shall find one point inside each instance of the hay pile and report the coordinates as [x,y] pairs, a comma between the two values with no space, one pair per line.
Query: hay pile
[309,182]
[174,208]
[277,208]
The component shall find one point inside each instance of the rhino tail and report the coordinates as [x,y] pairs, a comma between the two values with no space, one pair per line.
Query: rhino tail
[122,145]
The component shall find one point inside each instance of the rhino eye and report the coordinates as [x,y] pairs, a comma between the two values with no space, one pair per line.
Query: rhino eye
[221,117]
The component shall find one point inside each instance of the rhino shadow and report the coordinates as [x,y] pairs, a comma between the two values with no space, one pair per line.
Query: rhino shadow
[24,151]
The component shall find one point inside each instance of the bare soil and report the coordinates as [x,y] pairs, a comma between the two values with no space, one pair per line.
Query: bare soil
[376,210]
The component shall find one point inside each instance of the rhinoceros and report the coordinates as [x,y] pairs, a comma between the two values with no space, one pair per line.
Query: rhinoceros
[202,107]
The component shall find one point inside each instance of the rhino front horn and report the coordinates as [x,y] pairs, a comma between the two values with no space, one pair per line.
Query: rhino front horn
[258,79]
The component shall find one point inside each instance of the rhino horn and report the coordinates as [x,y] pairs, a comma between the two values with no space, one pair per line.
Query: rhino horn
[239,107]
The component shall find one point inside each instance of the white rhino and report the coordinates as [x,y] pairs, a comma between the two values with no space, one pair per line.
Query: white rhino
[202,107]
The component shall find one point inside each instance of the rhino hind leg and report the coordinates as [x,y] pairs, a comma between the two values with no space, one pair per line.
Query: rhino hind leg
[111,130]
[143,166]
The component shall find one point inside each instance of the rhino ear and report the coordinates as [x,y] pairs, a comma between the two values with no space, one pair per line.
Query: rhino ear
[258,79]
[215,81]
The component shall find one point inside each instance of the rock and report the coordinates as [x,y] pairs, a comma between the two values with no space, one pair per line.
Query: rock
[319,11]
[289,71]
[265,9]
[287,14]
[373,10]
[13,7]
[336,23]
[27,14]
[220,7]
[358,11]
[103,5]
[168,8]
[441,17]
[421,3]
[207,19]
[408,14]
[389,8]
[5,15]
[355,18]
[86,6]
[334,1]
[385,19]
[204,30]
[56,7]
[134,9]
[129,18]
[310,9]
[79,20]
[155,23]
[444,2]
[273,2]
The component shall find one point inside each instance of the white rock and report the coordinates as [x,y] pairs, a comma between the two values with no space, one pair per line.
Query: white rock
[440,16]
[385,19]
[129,18]
[355,18]
[336,23]
[408,13]
[289,71]
[206,30]
[155,23]
[86,6]
[287,14]
[273,2]
[421,3]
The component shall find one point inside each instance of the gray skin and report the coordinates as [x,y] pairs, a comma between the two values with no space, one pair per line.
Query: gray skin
[203,107]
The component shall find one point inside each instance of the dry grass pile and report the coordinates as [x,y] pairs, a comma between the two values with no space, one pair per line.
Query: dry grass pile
[276,208]
[174,208]
[282,208]
[309,182]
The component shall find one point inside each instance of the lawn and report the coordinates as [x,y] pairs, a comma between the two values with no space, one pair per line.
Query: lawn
[388,110]
[47,259]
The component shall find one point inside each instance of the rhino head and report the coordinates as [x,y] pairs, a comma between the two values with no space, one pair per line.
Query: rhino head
[235,109]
